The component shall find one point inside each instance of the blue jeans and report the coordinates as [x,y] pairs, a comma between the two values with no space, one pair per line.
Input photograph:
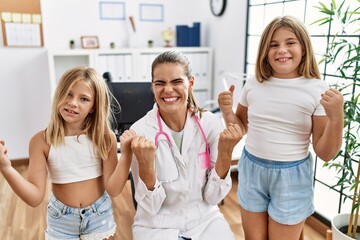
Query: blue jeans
[92,222]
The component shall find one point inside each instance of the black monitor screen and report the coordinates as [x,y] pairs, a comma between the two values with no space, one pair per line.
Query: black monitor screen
[135,99]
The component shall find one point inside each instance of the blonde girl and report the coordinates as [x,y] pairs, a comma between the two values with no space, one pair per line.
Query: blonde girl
[78,150]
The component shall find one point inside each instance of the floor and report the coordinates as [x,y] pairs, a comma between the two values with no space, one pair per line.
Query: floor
[19,221]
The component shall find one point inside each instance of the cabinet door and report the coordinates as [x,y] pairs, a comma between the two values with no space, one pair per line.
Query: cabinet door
[144,65]
[199,62]
[118,65]
[64,63]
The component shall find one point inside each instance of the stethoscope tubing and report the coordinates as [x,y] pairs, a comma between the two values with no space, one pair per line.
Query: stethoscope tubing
[162,132]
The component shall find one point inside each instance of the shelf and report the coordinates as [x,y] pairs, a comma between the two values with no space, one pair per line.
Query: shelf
[132,64]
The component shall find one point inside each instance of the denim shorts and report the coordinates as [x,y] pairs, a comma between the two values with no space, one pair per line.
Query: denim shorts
[283,189]
[93,222]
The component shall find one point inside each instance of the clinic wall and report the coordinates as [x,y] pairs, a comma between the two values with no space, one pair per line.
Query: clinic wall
[227,36]
[25,97]
[82,18]
[24,76]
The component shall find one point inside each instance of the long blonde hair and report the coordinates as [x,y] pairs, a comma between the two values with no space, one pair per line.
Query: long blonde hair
[308,67]
[97,124]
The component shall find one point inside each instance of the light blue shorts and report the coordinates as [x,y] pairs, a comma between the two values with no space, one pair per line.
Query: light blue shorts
[283,189]
[93,222]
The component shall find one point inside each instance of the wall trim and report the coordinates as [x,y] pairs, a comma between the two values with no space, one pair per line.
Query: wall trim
[317,225]
[20,162]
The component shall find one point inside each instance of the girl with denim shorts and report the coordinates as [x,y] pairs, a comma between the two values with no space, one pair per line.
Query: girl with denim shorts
[279,110]
[79,151]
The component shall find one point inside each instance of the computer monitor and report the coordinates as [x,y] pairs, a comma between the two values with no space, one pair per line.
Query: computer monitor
[135,99]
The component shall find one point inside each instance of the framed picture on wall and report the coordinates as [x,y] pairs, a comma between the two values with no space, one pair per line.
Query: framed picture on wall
[89,42]
[152,12]
[112,10]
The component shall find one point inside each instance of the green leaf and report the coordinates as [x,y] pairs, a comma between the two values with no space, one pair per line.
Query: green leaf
[333,4]
[343,20]
[343,54]
[324,20]
[356,205]
[325,10]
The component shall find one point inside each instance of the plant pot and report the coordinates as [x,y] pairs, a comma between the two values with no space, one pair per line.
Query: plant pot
[338,222]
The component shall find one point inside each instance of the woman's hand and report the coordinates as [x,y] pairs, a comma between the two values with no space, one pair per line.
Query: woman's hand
[227,141]
[229,138]
[144,151]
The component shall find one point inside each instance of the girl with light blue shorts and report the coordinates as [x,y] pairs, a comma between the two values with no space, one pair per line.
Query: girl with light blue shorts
[284,106]
[283,189]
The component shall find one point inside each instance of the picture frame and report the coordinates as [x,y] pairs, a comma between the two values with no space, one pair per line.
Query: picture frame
[112,10]
[151,12]
[89,42]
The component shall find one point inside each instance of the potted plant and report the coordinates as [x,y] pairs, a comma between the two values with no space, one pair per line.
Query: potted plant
[343,52]
[72,44]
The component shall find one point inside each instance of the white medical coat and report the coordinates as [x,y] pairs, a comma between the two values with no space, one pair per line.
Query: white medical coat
[187,206]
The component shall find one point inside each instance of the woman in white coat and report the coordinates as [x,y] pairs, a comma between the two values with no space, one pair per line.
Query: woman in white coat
[181,160]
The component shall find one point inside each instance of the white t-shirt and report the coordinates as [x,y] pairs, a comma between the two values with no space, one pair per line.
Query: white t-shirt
[280,116]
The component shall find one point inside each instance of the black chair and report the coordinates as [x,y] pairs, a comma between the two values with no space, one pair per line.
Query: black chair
[132,189]
[107,76]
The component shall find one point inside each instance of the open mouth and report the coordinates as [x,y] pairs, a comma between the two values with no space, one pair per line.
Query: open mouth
[170,99]
[283,59]
[70,111]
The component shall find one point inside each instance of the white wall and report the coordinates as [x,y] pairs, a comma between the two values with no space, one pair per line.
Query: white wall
[227,36]
[68,19]
[24,75]
[24,101]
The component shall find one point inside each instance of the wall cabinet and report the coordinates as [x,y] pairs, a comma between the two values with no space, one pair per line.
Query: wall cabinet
[133,64]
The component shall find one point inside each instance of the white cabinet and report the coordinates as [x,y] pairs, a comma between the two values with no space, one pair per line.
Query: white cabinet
[119,65]
[133,64]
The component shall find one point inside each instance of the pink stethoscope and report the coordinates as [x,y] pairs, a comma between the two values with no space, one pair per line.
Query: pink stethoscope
[205,156]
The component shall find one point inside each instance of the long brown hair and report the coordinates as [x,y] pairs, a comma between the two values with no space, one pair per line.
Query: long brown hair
[308,67]
[178,57]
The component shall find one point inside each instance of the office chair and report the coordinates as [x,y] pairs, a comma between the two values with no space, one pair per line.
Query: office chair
[132,189]
[107,77]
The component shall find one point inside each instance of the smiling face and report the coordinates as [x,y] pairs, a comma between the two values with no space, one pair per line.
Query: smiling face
[171,88]
[77,105]
[285,54]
